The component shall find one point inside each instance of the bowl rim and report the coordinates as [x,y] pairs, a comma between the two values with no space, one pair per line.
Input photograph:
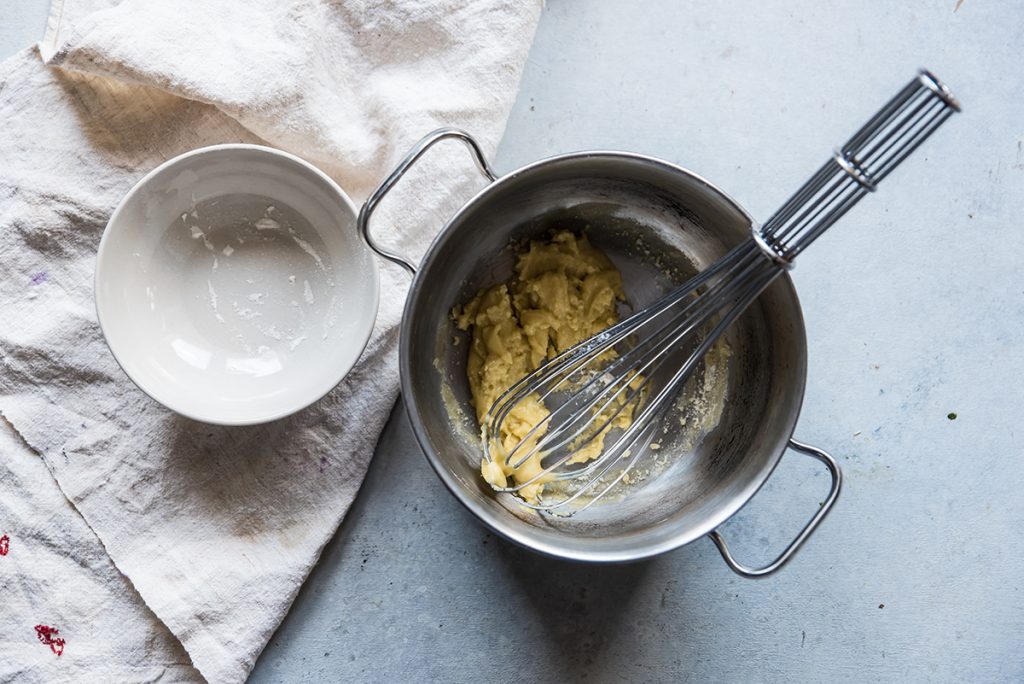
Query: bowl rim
[509,532]
[110,229]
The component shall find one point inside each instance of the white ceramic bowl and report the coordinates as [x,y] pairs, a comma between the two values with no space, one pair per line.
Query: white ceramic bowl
[232,285]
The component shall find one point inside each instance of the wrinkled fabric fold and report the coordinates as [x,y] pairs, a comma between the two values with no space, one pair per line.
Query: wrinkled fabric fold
[216,528]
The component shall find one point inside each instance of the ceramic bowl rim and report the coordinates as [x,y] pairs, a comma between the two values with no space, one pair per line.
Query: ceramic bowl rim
[109,233]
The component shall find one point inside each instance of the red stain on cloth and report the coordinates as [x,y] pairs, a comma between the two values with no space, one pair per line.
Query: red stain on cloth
[46,636]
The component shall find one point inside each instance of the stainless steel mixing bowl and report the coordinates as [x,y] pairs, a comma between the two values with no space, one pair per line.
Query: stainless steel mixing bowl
[659,223]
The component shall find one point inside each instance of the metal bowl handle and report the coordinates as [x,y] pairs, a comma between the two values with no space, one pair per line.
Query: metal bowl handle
[794,546]
[414,154]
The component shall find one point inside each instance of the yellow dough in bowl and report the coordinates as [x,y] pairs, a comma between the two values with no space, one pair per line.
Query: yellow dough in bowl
[564,290]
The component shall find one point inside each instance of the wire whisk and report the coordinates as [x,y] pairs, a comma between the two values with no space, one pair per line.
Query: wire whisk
[588,387]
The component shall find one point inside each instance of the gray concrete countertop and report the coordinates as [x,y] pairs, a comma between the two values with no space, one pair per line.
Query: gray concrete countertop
[914,309]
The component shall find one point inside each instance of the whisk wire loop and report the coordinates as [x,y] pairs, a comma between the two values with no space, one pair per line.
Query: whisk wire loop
[628,368]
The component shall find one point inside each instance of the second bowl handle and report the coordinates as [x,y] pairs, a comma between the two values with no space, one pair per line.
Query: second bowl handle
[425,143]
[812,524]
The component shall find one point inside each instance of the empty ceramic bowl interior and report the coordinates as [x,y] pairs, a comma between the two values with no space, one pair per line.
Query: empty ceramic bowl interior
[232,286]
[659,225]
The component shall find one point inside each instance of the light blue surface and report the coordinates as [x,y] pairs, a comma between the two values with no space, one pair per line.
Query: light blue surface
[914,308]
[22,23]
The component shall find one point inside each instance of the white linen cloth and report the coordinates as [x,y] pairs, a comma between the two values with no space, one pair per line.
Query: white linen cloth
[215,528]
[54,573]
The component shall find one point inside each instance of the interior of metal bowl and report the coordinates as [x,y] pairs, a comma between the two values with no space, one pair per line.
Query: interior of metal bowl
[659,224]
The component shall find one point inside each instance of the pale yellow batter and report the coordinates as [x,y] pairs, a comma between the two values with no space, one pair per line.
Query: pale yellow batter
[564,291]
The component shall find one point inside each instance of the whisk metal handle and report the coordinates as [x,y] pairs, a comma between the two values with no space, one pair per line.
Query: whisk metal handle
[424,144]
[805,533]
[856,169]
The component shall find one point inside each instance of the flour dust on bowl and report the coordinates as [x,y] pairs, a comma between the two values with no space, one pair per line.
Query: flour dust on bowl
[661,225]
[232,287]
